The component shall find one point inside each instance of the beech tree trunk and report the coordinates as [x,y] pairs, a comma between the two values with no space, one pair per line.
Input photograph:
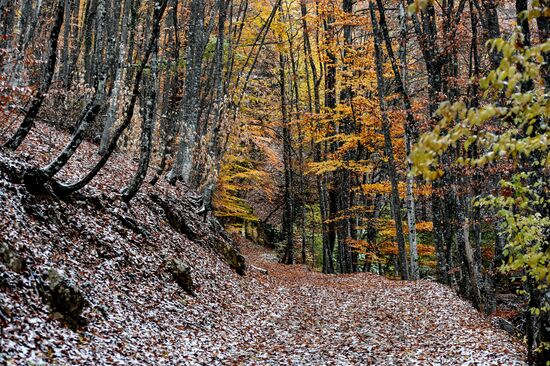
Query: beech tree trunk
[160,6]
[197,38]
[169,128]
[29,18]
[388,149]
[147,127]
[117,83]
[38,99]
[88,116]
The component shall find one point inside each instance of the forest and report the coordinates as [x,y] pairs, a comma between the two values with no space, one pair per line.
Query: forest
[275,182]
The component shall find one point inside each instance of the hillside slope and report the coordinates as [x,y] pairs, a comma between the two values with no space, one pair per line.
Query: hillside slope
[118,255]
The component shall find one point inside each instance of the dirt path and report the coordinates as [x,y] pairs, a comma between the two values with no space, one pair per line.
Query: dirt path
[359,319]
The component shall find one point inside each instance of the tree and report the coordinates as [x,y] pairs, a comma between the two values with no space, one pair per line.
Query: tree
[45,83]
[388,149]
[522,200]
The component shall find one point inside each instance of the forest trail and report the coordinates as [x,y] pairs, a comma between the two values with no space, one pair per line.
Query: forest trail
[367,319]
[137,135]
[140,316]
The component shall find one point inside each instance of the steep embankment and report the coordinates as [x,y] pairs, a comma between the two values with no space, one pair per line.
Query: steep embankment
[120,258]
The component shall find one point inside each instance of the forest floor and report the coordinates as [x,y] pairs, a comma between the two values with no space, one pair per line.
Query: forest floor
[367,319]
[138,315]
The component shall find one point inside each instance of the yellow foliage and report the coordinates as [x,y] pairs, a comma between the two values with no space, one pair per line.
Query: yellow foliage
[385,188]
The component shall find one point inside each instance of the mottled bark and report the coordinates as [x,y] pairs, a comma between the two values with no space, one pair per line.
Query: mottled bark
[36,102]
[466,251]
[215,145]
[197,38]
[118,80]
[66,40]
[28,20]
[90,21]
[172,99]
[160,6]
[149,103]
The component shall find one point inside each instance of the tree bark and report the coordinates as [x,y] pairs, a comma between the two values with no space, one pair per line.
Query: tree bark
[147,127]
[197,38]
[38,99]
[160,6]
[388,149]
[88,116]
[172,88]
[117,83]
[288,212]
[410,131]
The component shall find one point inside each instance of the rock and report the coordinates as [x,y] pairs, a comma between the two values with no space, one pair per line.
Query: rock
[11,259]
[506,326]
[66,300]
[182,275]
[181,219]
[178,218]
[232,256]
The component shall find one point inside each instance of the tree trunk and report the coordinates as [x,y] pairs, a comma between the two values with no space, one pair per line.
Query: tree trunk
[88,116]
[388,149]
[29,18]
[465,250]
[147,126]
[36,102]
[330,104]
[168,130]
[197,38]
[288,212]
[410,130]
[91,14]
[117,83]
[215,148]
[160,6]
[65,53]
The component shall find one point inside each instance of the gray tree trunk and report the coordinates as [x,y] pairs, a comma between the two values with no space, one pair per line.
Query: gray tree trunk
[160,6]
[388,149]
[147,127]
[197,38]
[27,27]
[410,128]
[36,102]
[117,83]
[172,88]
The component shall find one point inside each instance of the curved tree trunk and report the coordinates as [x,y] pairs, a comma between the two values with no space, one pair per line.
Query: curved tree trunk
[36,103]
[160,6]
[147,127]
[88,116]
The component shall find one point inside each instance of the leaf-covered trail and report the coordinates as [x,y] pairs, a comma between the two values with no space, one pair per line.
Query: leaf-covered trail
[355,319]
[140,316]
